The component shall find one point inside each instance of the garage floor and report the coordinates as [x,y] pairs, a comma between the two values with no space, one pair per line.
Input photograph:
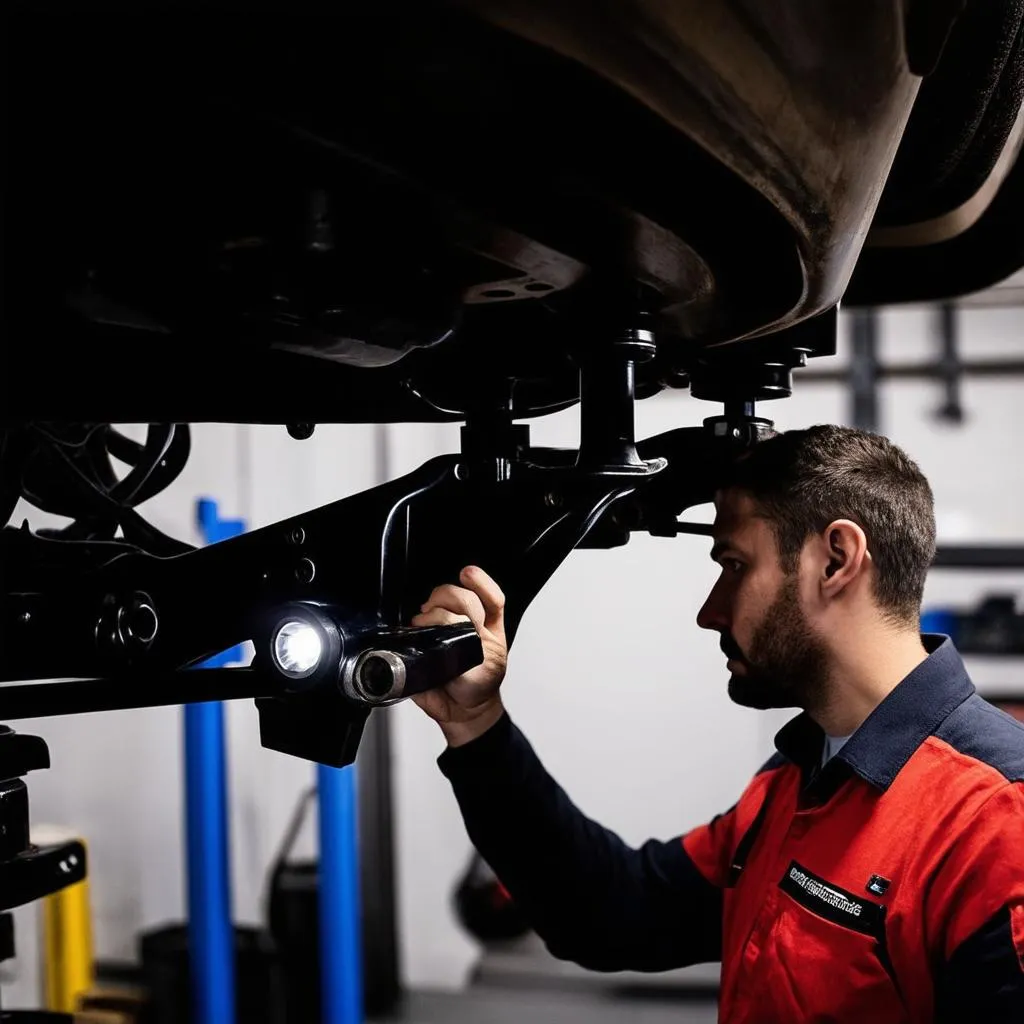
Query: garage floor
[521,983]
[503,1006]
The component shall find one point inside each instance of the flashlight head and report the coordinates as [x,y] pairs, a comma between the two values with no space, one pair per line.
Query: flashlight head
[304,647]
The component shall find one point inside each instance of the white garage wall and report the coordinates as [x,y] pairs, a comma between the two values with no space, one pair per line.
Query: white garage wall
[622,695]
[976,470]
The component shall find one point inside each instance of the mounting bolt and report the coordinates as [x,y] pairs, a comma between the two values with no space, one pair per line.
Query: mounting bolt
[297,536]
[140,622]
[127,625]
[737,433]
[305,571]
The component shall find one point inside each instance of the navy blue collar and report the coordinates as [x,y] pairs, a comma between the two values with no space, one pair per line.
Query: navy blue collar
[888,737]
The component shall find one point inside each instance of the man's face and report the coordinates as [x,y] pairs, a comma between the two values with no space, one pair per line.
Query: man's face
[776,659]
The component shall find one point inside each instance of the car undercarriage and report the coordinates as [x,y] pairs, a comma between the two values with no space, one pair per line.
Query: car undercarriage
[477,212]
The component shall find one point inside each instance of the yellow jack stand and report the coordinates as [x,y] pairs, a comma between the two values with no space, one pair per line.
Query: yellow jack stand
[68,967]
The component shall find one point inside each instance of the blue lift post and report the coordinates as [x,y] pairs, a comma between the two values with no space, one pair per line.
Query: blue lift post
[341,953]
[210,925]
[211,933]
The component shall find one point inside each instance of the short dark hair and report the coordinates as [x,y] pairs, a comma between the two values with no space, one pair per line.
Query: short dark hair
[802,480]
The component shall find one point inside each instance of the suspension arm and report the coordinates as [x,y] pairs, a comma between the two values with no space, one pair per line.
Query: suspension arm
[354,572]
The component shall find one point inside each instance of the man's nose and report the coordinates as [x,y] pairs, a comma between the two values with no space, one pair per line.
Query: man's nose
[713,614]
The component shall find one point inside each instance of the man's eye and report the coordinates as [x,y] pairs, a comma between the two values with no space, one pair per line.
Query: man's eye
[732,564]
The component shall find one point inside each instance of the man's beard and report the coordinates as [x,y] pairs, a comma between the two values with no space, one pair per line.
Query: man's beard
[787,665]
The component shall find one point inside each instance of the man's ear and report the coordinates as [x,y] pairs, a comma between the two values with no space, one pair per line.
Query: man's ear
[846,556]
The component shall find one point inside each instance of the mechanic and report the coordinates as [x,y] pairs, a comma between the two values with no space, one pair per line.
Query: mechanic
[873,869]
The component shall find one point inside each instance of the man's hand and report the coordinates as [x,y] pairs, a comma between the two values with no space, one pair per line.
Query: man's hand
[468,706]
